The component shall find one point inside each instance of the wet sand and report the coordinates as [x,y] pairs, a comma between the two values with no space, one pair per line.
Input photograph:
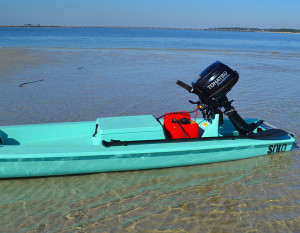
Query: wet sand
[15,60]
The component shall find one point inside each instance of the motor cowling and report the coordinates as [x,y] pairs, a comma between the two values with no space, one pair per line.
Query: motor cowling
[215,81]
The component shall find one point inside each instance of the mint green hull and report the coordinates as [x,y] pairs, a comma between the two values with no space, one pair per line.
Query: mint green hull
[76,148]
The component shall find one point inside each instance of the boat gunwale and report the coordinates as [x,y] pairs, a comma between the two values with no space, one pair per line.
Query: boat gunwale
[133,149]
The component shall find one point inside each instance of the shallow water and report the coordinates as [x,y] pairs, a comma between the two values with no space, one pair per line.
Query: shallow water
[253,195]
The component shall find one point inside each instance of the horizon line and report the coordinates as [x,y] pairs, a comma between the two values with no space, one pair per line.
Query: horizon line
[251,29]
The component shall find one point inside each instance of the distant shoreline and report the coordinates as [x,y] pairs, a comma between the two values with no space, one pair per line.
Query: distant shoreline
[231,29]
[270,30]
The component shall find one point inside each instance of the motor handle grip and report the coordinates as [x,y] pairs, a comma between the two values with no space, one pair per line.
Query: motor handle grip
[185,86]
[203,98]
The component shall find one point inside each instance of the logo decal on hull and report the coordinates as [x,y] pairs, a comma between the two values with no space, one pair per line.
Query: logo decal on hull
[277,148]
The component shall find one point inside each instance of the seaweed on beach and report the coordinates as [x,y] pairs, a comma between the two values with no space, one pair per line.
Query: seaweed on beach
[23,84]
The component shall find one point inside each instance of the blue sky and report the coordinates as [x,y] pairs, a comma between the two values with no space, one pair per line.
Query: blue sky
[162,13]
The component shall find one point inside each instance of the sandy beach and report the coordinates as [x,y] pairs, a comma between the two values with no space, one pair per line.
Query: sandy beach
[15,60]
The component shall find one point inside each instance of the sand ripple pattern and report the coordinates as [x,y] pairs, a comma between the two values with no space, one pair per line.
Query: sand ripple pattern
[258,194]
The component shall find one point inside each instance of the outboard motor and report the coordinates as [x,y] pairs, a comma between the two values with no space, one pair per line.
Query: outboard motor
[211,87]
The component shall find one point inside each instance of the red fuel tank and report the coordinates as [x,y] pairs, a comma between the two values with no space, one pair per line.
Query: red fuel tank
[179,125]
